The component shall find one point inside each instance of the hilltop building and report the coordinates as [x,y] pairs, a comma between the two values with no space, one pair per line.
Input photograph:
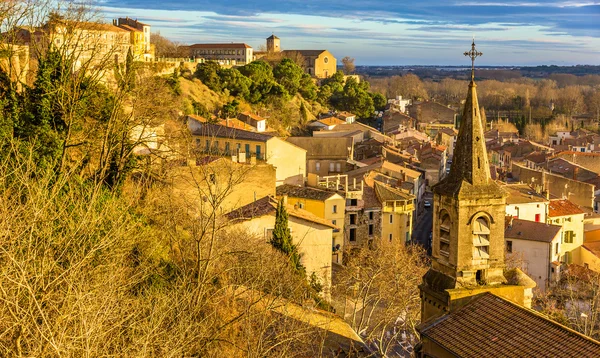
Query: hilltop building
[224,54]
[317,63]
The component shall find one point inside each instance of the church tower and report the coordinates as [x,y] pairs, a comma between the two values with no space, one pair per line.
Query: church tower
[468,220]
[273,44]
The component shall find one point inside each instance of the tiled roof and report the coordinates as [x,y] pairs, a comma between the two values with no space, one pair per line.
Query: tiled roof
[345,114]
[563,207]
[490,326]
[232,45]
[531,230]
[218,131]
[323,147]
[522,194]
[198,118]
[268,206]
[331,121]
[387,193]
[236,123]
[306,52]
[304,192]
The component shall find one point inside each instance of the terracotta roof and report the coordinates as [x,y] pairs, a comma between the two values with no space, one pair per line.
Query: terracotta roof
[563,207]
[331,121]
[268,206]
[129,28]
[490,326]
[531,230]
[236,123]
[304,192]
[306,52]
[345,114]
[198,118]
[231,45]
[219,131]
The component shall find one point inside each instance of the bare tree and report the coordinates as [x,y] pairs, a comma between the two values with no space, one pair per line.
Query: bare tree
[380,295]
[349,66]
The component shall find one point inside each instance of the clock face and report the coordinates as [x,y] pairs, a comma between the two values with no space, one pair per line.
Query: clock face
[326,59]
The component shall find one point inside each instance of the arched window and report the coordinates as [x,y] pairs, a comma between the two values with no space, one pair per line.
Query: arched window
[444,235]
[481,239]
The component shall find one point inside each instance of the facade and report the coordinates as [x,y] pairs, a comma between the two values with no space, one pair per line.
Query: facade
[273,44]
[257,122]
[447,138]
[397,209]
[327,205]
[141,46]
[325,156]
[317,63]
[523,202]
[568,215]
[311,234]
[535,247]
[288,159]
[225,54]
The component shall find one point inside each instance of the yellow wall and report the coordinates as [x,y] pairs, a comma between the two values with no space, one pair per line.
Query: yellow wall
[570,223]
[289,160]
[313,241]
[401,224]
[590,259]
[324,210]
[322,69]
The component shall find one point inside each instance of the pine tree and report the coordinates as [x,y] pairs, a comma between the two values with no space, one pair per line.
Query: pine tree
[282,238]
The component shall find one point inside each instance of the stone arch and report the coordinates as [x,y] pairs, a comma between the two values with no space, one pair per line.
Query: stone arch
[479,214]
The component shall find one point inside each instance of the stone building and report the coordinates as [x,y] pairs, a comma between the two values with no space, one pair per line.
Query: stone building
[468,228]
[225,54]
[470,307]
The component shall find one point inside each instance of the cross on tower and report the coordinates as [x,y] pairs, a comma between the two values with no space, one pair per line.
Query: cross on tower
[473,54]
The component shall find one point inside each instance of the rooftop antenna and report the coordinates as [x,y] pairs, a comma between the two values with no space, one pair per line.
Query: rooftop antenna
[473,54]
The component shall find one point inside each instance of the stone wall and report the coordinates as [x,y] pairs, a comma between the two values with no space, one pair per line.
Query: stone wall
[578,192]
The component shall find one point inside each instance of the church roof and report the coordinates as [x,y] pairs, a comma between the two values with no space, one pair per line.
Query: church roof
[272,37]
[490,326]
[470,171]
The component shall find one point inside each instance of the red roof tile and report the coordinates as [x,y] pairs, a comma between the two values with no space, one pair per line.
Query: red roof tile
[563,207]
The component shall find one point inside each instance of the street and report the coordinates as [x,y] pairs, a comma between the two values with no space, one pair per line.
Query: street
[422,229]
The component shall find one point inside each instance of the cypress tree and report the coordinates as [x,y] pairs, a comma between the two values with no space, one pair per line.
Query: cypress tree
[282,238]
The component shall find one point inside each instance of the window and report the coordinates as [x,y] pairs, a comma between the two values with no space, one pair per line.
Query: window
[352,202]
[213,178]
[334,209]
[390,237]
[331,167]
[391,218]
[258,155]
[371,215]
[247,149]
[444,235]
[301,205]
[227,150]
[509,246]
[352,235]
[352,219]
[197,142]
[538,217]
[556,248]
[371,229]
[568,237]
[318,166]
[207,145]
[481,239]
[238,146]
[334,222]
[338,167]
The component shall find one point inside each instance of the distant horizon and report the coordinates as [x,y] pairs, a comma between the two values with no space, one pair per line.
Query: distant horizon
[508,32]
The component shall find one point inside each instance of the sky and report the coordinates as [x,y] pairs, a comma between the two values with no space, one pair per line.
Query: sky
[377,32]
